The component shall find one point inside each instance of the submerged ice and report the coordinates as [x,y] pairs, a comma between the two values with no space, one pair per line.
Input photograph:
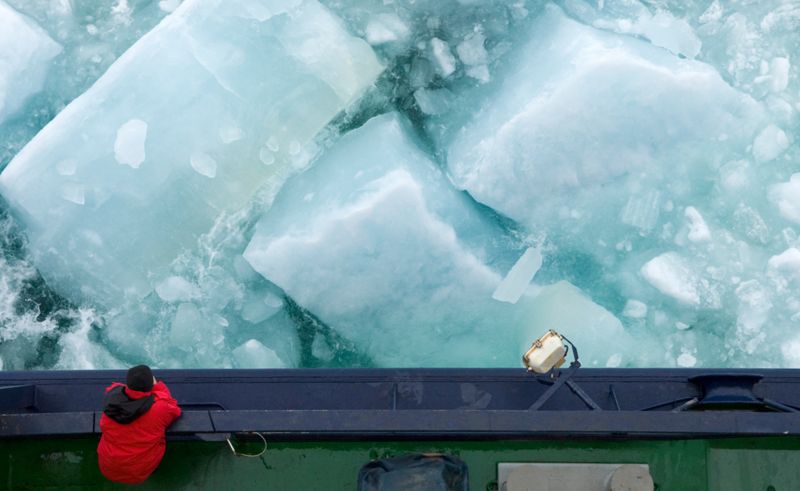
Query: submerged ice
[406,183]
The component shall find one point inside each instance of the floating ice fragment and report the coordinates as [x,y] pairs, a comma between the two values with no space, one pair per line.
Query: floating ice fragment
[779,74]
[635,309]
[663,29]
[258,308]
[770,143]
[786,196]
[253,354]
[788,261]
[190,329]
[203,164]
[433,101]
[519,277]
[698,230]
[169,5]
[642,210]
[471,51]
[791,352]
[385,28]
[25,55]
[614,360]
[445,61]
[479,73]
[671,275]
[686,360]
[175,288]
[320,349]
[712,14]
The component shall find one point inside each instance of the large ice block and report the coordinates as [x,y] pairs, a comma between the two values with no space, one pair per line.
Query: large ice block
[584,119]
[375,242]
[221,98]
[25,53]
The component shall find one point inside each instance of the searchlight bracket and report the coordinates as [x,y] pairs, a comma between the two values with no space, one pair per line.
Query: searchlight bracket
[552,375]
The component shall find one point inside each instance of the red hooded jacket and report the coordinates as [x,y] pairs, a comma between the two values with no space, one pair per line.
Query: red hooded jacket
[129,453]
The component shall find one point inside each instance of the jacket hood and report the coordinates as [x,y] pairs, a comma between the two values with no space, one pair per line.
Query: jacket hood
[122,408]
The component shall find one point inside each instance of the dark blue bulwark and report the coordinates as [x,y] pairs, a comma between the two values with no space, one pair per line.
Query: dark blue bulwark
[424,403]
[17,397]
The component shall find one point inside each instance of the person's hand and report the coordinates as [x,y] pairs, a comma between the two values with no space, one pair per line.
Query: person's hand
[154,380]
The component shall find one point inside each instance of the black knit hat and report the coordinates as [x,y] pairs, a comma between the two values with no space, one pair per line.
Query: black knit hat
[140,378]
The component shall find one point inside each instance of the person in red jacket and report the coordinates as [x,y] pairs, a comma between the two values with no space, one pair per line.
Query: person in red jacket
[133,425]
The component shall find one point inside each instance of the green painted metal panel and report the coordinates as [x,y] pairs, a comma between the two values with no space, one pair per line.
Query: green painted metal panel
[702,465]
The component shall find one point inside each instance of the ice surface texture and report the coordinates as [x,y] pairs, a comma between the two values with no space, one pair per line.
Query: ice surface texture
[219,99]
[25,53]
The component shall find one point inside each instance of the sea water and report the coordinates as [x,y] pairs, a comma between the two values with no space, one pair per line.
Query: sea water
[410,183]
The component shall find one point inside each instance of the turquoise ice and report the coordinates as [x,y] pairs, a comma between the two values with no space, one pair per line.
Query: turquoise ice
[406,183]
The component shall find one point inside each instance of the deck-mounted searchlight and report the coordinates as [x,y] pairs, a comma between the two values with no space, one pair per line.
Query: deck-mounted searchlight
[545,355]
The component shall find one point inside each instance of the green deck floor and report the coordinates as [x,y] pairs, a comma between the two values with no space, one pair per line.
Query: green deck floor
[768,464]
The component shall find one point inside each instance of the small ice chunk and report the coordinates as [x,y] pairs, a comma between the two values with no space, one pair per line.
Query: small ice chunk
[175,288]
[635,309]
[671,275]
[662,29]
[433,101]
[320,349]
[686,360]
[788,261]
[698,230]
[385,28]
[779,74]
[666,31]
[260,308]
[770,143]
[203,164]
[445,61]
[471,51]
[516,281]
[190,328]
[786,196]
[734,175]
[712,14]
[253,354]
[130,143]
[614,360]
[169,5]
[642,210]
[479,73]
[790,351]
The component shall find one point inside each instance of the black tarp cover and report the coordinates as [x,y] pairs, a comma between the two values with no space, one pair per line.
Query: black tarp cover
[417,472]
